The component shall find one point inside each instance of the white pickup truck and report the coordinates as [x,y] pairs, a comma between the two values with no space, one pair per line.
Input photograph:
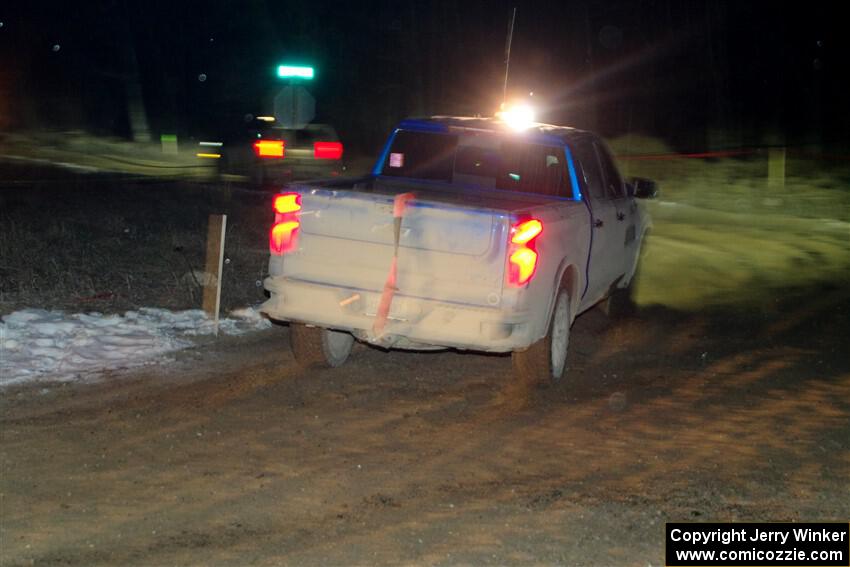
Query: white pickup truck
[467,235]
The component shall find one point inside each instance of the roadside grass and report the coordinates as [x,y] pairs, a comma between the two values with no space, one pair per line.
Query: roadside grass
[701,259]
[96,243]
[812,188]
[723,235]
[84,151]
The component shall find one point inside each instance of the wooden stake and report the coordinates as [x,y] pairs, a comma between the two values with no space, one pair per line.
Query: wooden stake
[776,168]
[215,262]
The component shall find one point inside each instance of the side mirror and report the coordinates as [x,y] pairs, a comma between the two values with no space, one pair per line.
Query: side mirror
[641,188]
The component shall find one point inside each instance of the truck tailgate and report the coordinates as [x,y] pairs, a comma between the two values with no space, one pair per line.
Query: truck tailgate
[447,252]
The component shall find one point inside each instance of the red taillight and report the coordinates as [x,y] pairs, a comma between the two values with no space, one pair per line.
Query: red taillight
[522,261]
[269,148]
[283,237]
[327,150]
[523,265]
[525,232]
[287,203]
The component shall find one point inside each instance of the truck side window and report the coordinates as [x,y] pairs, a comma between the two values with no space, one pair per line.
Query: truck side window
[590,169]
[613,182]
[532,168]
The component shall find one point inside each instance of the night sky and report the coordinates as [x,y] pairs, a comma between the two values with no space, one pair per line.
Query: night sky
[697,74]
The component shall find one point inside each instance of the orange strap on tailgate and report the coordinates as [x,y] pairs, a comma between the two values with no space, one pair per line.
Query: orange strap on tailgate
[399,204]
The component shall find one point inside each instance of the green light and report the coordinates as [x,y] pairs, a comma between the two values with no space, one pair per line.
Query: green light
[294,71]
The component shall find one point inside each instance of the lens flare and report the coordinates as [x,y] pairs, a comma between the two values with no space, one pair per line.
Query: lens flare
[517,117]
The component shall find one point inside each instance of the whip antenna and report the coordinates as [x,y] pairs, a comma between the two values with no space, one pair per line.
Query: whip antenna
[508,54]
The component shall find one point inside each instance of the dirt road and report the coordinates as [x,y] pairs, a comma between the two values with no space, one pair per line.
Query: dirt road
[231,455]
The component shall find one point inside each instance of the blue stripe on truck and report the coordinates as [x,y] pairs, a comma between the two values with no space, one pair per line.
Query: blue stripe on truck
[379,165]
[577,194]
[573,176]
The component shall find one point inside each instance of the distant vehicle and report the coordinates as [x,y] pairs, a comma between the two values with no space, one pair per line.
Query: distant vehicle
[265,153]
[468,234]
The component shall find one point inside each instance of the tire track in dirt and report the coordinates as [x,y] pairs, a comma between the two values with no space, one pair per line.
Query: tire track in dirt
[233,455]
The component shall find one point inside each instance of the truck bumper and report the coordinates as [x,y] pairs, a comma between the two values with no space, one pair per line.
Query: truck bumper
[413,323]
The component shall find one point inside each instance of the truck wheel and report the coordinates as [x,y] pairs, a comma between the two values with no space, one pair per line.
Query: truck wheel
[545,361]
[317,347]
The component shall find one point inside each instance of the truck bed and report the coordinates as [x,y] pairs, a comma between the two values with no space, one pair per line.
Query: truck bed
[471,197]
[453,250]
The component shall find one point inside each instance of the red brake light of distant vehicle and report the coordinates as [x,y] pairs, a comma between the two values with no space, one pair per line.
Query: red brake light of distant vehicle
[327,150]
[269,148]
[522,261]
[287,203]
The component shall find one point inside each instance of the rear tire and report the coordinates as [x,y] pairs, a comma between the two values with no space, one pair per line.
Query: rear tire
[544,362]
[314,347]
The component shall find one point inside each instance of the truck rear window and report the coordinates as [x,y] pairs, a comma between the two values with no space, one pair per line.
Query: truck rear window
[509,165]
[422,155]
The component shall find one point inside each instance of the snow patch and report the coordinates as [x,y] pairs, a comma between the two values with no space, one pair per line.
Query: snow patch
[35,343]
